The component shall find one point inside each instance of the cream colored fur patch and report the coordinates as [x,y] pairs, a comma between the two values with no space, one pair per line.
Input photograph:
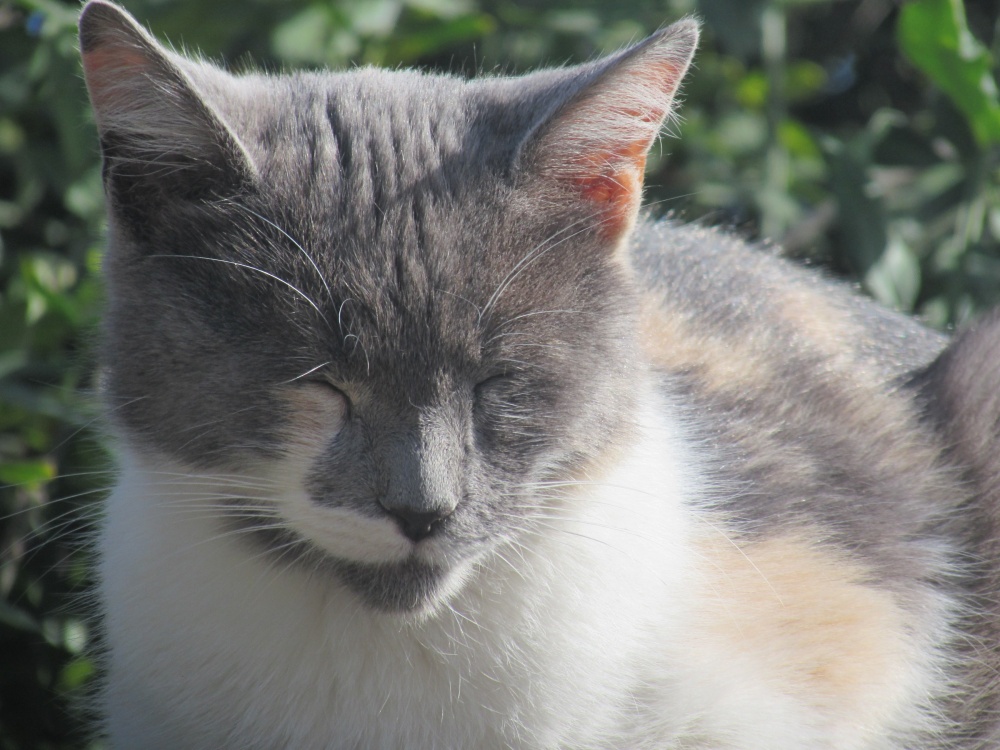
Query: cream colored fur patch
[806,617]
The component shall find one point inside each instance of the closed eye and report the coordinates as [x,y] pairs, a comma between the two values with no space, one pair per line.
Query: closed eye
[494,381]
[330,395]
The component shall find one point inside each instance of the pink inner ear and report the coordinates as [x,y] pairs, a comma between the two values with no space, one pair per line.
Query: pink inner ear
[605,139]
[612,182]
[105,69]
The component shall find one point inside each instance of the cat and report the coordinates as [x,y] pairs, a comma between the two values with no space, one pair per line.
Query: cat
[428,439]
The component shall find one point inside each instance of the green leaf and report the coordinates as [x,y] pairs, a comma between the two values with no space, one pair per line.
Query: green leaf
[934,36]
[75,674]
[805,79]
[26,472]
[443,8]
[431,39]
[894,279]
[303,37]
[862,216]
[796,138]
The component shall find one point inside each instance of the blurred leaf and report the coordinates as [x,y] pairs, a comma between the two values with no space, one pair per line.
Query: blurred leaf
[443,34]
[798,140]
[16,618]
[303,37]
[48,281]
[85,196]
[862,217]
[804,80]
[75,674]
[374,17]
[740,132]
[934,35]
[443,8]
[752,90]
[874,176]
[26,472]
[894,279]
[736,22]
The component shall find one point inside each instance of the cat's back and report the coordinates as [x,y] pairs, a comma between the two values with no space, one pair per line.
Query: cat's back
[831,418]
[731,290]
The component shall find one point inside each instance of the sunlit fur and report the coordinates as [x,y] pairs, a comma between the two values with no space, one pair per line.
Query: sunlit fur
[428,440]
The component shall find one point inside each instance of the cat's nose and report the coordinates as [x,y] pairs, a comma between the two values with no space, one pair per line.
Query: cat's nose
[417,525]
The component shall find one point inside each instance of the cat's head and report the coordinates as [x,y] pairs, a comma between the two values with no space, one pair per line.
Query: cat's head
[395,300]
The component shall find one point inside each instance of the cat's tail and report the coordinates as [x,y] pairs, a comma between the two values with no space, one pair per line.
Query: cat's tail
[960,391]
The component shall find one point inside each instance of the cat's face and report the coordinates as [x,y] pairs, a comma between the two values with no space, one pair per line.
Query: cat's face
[392,300]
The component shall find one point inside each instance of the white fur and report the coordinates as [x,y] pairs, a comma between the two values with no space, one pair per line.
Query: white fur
[580,637]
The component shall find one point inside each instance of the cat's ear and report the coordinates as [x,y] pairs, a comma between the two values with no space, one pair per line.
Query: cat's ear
[159,133]
[591,146]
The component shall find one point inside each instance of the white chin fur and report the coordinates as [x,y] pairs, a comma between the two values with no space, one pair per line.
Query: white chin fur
[343,533]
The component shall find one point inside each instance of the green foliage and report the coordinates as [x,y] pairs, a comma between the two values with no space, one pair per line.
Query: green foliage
[934,35]
[860,135]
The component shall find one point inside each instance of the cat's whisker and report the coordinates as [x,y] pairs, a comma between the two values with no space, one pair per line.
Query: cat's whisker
[227,533]
[211,423]
[550,243]
[180,479]
[536,313]
[255,269]
[42,508]
[91,422]
[298,245]
[596,484]
[553,518]
[58,478]
[515,568]
[340,314]
[739,548]
[51,529]
[357,343]
[535,255]
[231,505]
[580,535]
[190,486]
[70,531]
[473,305]
[306,374]
[514,545]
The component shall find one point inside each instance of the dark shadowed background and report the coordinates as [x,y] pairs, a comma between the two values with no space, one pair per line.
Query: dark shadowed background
[864,135]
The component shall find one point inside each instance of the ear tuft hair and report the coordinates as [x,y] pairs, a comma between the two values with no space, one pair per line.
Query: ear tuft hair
[595,140]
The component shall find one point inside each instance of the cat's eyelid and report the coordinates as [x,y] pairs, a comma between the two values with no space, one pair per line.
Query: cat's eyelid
[318,379]
[327,383]
[319,374]
[492,378]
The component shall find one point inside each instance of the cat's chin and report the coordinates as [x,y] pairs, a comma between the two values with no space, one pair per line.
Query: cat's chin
[415,585]
[411,587]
